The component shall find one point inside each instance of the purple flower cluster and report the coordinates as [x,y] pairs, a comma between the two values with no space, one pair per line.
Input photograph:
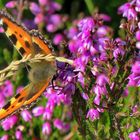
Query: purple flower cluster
[135,135]
[131,11]
[93,48]
[88,48]
[134,78]
[6,90]
[45,12]
[55,99]
[9,123]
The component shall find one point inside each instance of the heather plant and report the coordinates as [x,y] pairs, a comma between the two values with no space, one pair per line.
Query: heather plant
[95,94]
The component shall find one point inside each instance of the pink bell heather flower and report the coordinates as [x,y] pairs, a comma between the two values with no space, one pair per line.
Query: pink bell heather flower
[56,19]
[69,89]
[81,62]
[51,105]
[81,79]
[5,137]
[2,100]
[58,124]
[26,115]
[93,50]
[56,6]
[73,46]
[138,45]
[97,99]
[138,35]
[134,78]
[11,4]
[118,52]
[100,90]
[37,111]
[8,89]
[51,28]
[135,135]
[137,2]
[66,127]
[19,89]
[1,30]
[18,135]
[39,18]
[34,7]
[126,92]
[93,114]
[43,2]
[54,22]
[58,38]
[56,98]
[137,6]
[102,31]
[86,24]
[72,32]
[135,109]
[9,122]
[46,128]
[128,11]
[102,80]
[136,67]
[52,97]
[85,96]
[47,114]
[105,17]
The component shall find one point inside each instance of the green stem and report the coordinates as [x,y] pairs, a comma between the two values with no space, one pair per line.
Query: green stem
[90,6]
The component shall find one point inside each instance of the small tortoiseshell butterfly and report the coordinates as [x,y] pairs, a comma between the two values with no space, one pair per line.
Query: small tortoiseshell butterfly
[27,43]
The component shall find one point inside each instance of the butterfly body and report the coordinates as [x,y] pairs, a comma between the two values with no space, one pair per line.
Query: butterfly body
[27,43]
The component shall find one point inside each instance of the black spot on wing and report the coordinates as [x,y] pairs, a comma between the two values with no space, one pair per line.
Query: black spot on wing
[20,35]
[13,39]
[37,48]
[7,105]
[17,95]
[13,106]
[5,26]
[20,100]
[22,51]
[27,44]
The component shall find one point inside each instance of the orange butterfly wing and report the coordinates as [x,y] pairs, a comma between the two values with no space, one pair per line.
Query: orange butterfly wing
[27,43]
[18,34]
[14,104]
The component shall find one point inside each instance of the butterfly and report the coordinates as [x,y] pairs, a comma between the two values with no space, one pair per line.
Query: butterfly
[27,43]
